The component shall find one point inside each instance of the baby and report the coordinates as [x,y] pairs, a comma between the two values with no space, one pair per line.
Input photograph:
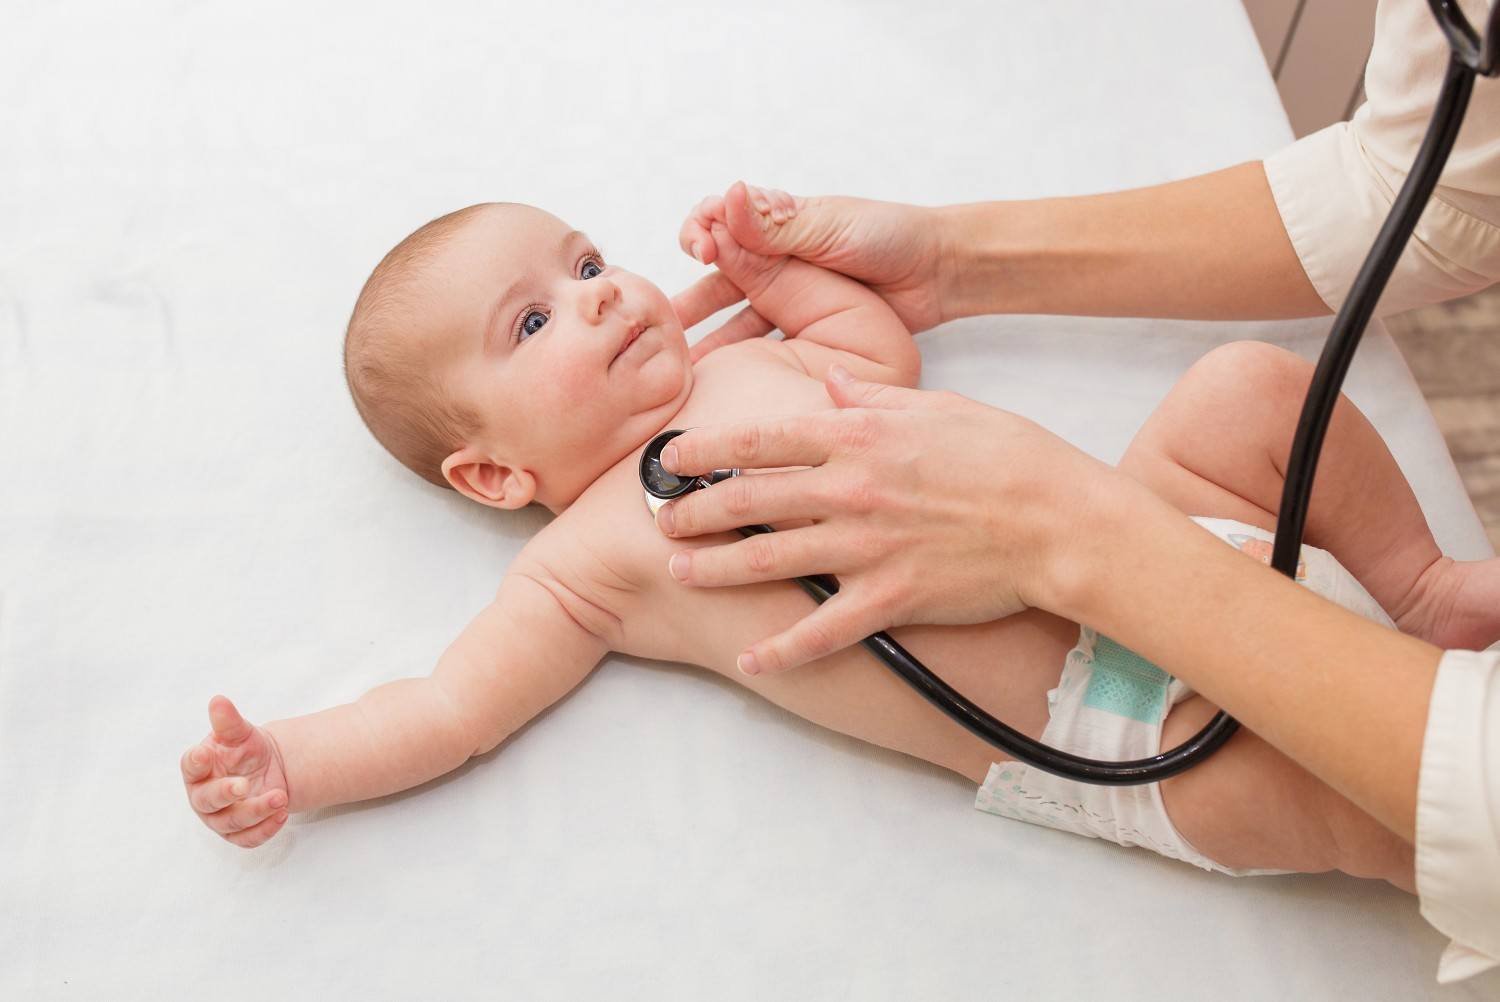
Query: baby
[495,352]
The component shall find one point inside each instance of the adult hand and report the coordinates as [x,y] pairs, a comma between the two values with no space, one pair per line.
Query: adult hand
[897,250]
[928,507]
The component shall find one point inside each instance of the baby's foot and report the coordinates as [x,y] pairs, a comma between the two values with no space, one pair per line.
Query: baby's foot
[1455,604]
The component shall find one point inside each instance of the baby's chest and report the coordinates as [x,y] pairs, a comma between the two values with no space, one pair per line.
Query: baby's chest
[751,380]
[618,559]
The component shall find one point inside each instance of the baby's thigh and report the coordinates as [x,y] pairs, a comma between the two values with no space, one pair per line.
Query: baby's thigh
[1250,807]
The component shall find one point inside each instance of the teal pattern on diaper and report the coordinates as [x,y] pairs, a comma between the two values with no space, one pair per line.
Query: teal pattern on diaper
[1126,684]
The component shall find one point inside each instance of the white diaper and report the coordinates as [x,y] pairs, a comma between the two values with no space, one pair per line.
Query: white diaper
[1110,704]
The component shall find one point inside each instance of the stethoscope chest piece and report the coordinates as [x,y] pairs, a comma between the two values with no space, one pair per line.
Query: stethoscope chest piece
[662,486]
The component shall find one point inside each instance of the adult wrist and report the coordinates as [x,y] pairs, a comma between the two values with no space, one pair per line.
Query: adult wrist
[971,259]
[949,225]
[1085,535]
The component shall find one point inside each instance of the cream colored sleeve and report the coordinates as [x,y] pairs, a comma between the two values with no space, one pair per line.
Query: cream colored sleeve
[1335,187]
[1458,813]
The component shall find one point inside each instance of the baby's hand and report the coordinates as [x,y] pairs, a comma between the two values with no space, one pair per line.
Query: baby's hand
[707,231]
[696,236]
[235,779]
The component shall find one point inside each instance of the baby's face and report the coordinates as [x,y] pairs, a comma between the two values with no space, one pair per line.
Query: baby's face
[570,362]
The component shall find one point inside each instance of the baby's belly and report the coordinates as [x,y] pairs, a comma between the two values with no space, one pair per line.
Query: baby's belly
[1006,667]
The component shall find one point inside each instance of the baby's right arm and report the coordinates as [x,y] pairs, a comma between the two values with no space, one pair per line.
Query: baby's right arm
[522,653]
[828,318]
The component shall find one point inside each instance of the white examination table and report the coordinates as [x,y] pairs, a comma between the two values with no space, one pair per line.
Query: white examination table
[190,197]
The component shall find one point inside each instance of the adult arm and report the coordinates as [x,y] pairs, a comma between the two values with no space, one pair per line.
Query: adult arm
[1278,239]
[929,509]
[1208,247]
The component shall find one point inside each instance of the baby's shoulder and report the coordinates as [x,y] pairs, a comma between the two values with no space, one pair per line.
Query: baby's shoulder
[600,552]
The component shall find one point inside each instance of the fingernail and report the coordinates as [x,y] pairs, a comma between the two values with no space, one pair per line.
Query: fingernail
[746,664]
[278,801]
[678,566]
[669,459]
[195,757]
[698,252]
[759,201]
[237,788]
[839,374]
[664,519]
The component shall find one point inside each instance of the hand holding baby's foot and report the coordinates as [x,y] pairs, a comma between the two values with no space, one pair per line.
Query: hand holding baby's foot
[235,779]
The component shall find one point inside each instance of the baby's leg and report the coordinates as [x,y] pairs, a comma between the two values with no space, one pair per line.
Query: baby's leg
[1216,446]
[1218,443]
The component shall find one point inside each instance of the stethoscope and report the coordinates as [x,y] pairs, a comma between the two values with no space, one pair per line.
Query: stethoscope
[1471,57]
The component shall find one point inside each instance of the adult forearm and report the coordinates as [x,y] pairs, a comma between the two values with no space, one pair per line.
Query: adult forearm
[1344,697]
[1211,247]
[394,737]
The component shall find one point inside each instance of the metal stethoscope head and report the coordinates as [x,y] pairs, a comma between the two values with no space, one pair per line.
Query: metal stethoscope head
[662,486]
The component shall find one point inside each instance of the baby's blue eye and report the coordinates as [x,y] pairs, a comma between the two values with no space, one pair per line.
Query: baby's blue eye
[533,321]
[591,269]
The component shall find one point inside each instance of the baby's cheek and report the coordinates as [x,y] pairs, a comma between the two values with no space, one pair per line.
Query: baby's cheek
[575,386]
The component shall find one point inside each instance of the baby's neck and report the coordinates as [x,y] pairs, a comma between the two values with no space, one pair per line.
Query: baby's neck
[667,416]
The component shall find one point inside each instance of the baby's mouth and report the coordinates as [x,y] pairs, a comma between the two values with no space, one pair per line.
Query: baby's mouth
[631,336]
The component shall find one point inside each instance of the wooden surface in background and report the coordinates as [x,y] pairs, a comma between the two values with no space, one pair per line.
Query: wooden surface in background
[1454,351]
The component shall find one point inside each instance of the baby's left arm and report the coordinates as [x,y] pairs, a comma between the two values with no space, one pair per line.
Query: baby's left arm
[826,317]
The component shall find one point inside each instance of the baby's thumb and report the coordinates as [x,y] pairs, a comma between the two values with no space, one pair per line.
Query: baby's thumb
[229,727]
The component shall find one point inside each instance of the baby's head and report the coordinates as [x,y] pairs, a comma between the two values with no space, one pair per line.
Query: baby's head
[493,351]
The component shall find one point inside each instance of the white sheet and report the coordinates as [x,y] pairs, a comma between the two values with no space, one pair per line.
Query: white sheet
[189,200]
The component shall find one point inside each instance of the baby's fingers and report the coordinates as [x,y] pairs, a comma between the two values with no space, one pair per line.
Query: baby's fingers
[694,236]
[217,794]
[197,764]
[742,326]
[247,813]
[259,834]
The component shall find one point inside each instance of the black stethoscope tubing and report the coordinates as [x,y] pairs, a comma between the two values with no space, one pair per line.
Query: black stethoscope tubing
[1471,57]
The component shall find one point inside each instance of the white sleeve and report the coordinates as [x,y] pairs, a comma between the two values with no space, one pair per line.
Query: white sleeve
[1335,187]
[1458,813]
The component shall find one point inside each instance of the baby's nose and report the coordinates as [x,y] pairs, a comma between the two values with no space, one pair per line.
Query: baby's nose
[600,296]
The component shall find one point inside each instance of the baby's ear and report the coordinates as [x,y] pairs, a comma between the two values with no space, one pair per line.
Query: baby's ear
[477,477]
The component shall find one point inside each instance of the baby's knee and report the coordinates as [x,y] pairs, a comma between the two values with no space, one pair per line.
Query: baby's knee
[1250,372]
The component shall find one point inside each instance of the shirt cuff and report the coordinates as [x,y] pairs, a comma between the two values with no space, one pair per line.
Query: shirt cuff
[1458,813]
[1334,197]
